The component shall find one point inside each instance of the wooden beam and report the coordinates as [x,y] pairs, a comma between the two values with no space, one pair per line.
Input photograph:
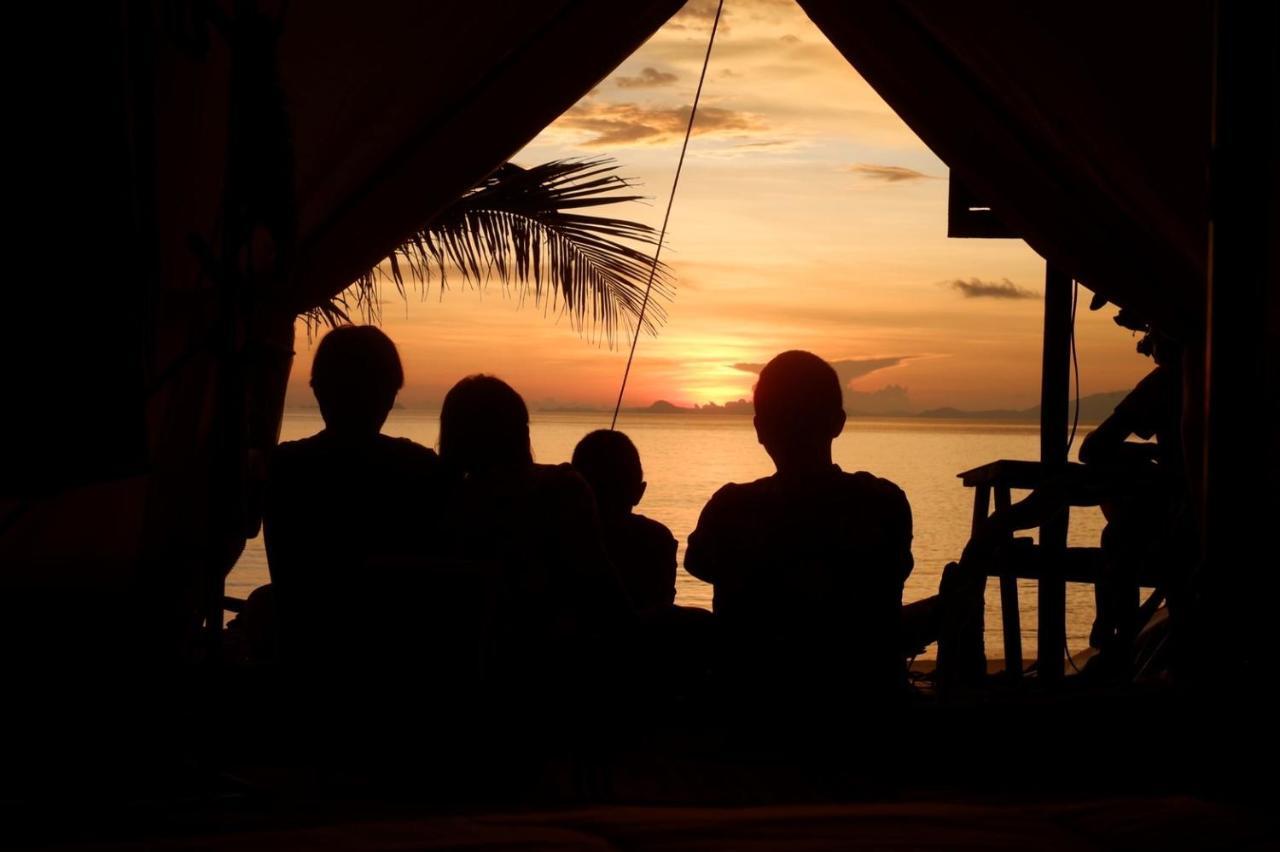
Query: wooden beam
[1055,382]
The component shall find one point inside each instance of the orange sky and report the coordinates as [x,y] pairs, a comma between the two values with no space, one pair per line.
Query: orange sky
[808,216]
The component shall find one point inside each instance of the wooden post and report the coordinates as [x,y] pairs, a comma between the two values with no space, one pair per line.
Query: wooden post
[1055,382]
[1010,617]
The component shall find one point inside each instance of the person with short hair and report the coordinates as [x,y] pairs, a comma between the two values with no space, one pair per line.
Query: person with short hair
[1142,534]
[643,550]
[808,564]
[343,498]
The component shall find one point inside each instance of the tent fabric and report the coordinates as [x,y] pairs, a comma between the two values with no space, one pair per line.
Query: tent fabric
[424,100]
[1086,126]
[239,163]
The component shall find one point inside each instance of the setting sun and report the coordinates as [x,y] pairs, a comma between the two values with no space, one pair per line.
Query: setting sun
[808,216]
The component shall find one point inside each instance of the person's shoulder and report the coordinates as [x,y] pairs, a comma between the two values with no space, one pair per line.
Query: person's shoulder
[648,527]
[288,454]
[555,473]
[872,487]
[407,450]
[301,446]
[1147,392]
[738,502]
[559,480]
[738,492]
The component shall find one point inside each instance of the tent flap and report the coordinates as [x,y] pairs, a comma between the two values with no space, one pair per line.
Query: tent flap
[399,110]
[1087,125]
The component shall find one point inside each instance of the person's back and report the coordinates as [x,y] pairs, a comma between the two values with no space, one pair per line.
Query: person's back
[535,524]
[342,498]
[1142,534]
[808,565]
[642,550]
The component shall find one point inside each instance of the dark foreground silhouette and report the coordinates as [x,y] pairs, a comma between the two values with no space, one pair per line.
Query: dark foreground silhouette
[1141,535]
[561,604]
[808,565]
[340,501]
[642,550]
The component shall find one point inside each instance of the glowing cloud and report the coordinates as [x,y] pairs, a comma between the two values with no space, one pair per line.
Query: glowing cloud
[649,78]
[976,288]
[888,174]
[633,124]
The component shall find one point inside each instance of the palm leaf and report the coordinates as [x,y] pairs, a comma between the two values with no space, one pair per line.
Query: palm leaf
[524,227]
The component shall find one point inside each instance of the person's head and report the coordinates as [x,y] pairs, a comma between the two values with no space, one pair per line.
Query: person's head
[610,464]
[355,376]
[484,425]
[799,408]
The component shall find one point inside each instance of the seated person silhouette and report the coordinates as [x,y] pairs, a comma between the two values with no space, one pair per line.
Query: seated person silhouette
[808,564]
[536,525]
[1140,526]
[342,498]
[1141,530]
[642,550]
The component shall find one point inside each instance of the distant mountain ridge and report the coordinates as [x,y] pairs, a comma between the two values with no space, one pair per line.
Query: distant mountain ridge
[1094,408]
[741,406]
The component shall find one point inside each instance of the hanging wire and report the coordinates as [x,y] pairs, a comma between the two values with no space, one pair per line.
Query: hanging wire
[653,271]
[1075,419]
[1075,366]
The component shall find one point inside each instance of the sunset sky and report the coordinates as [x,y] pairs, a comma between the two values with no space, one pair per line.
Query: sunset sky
[808,216]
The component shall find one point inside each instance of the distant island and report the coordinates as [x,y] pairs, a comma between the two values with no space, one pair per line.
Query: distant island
[1094,408]
[742,406]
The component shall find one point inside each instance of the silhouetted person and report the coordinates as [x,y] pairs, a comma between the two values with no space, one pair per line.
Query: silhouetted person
[809,564]
[1140,525]
[537,524]
[642,550]
[343,498]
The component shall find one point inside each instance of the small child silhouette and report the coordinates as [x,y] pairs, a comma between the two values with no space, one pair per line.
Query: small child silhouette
[643,550]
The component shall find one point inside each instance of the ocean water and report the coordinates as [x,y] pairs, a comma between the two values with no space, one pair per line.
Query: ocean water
[686,457]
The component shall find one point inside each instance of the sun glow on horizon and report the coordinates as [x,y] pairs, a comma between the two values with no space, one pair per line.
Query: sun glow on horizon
[809,216]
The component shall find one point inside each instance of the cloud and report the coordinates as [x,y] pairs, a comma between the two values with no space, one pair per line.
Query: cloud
[890,399]
[855,368]
[888,174]
[648,78]
[632,124]
[694,10]
[976,288]
[698,14]
[848,369]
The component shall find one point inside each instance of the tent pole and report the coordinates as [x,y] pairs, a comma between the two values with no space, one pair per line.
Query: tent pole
[1055,382]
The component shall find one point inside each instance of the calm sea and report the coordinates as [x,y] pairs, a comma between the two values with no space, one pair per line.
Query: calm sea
[687,457]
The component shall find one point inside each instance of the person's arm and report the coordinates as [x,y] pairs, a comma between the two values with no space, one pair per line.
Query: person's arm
[1137,414]
[280,526]
[706,556]
[669,563]
[901,534]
